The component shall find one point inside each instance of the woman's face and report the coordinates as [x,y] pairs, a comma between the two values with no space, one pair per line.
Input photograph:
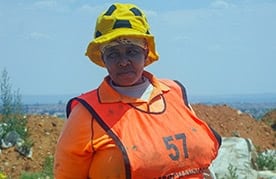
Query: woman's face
[125,64]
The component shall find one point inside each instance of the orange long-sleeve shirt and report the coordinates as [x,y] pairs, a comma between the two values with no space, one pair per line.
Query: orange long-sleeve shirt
[84,150]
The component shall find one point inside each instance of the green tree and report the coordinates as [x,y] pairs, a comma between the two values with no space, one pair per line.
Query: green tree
[12,107]
[6,96]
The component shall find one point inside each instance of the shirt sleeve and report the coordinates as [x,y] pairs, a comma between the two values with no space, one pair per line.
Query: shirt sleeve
[73,150]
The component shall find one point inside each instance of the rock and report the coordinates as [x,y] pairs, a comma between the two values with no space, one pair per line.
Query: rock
[238,155]
[10,139]
[24,149]
[267,174]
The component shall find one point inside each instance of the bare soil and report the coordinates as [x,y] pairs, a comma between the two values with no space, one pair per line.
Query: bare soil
[44,132]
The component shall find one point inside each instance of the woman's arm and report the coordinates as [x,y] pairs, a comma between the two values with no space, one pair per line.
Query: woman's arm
[73,154]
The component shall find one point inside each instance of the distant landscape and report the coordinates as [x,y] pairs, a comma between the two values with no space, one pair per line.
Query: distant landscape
[256,104]
[212,99]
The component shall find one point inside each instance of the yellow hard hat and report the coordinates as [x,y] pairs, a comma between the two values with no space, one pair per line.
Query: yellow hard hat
[120,20]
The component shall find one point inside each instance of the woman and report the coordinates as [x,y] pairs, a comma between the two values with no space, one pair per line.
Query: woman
[133,125]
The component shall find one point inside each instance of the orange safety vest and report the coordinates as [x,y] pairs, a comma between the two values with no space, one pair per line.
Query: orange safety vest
[171,144]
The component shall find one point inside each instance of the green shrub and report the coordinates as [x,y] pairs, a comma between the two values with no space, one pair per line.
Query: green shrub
[266,160]
[47,171]
[30,176]
[232,172]
[2,175]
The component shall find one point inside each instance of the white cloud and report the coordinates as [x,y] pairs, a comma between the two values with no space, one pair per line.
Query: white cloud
[46,4]
[53,5]
[181,38]
[91,9]
[38,36]
[220,4]
[215,47]
[150,13]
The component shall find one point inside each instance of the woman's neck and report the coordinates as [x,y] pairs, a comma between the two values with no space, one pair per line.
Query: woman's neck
[142,90]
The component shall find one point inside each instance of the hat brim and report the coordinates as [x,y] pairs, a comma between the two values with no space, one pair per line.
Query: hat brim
[93,50]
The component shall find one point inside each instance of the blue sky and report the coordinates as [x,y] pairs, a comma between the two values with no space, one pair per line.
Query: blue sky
[214,47]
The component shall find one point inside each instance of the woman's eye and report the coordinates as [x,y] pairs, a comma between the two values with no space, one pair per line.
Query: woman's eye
[133,52]
[113,55]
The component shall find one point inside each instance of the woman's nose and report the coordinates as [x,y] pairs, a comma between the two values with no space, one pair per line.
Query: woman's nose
[124,60]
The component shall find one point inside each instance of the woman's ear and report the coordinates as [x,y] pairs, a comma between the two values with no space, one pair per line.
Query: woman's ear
[102,56]
[146,53]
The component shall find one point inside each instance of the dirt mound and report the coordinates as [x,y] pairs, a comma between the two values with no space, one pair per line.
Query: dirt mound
[270,119]
[230,122]
[45,130]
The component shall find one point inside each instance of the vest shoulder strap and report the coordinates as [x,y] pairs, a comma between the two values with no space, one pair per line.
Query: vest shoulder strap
[184,94]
